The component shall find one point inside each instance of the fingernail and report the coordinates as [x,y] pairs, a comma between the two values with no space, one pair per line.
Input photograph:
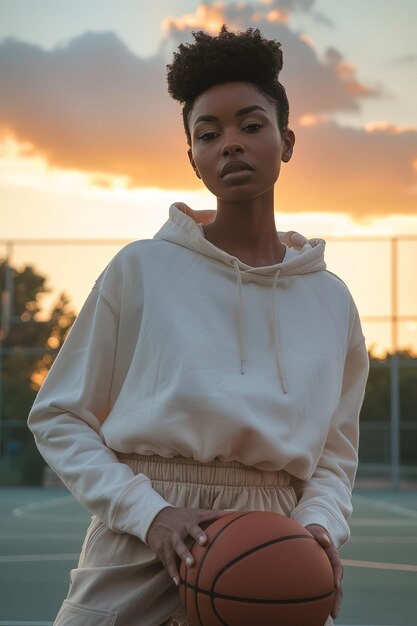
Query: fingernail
[189,561]
[326,539]
[202,539]
[176,581]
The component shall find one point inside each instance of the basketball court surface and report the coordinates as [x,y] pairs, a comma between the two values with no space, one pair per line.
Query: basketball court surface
[41,532]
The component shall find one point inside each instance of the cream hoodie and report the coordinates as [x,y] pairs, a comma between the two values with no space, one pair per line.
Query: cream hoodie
[183,349]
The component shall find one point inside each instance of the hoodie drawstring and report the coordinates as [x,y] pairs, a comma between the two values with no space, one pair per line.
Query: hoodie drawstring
[276,335]
[242,334]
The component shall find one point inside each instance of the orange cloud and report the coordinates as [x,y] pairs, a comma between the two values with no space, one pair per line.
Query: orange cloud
[306,39]
[346,72]
[394,129]
[205,16]
[347,170]
[309,120]
[238,14]
[277,16]
[92,106]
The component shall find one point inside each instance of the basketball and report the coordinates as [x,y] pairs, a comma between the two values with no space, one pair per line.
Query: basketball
[257,569]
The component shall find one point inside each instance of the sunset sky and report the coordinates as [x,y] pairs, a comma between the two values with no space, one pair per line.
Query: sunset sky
[92,145]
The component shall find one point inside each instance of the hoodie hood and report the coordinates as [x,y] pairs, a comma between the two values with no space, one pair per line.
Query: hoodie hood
[302,256]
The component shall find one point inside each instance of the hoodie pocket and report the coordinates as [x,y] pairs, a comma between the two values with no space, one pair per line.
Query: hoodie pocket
[94,530]
[72,613]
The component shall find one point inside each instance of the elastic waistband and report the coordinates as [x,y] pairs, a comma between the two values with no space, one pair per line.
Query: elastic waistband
[184,470]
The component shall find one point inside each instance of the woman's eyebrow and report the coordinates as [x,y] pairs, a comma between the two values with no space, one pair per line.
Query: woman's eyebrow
[213,118]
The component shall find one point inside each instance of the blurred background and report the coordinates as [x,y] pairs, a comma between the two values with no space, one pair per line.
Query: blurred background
[93,152]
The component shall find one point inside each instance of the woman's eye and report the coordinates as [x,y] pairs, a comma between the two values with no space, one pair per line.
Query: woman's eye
[257,124]
[254,125]
[205,135]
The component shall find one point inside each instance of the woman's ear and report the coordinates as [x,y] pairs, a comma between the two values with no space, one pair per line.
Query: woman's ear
[288,142]
[193,165]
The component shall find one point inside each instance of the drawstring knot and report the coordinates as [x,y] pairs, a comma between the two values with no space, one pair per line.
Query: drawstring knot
[242,334]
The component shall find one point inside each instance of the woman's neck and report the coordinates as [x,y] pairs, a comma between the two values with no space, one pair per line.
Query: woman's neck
[257,249]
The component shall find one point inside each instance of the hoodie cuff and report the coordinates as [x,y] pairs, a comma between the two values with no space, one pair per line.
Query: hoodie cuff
[138,508]
[339,533]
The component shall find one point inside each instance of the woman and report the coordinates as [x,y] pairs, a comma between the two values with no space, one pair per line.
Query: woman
[216,366]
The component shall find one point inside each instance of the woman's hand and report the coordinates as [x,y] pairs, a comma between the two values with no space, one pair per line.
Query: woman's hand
[322,536]
[169,530]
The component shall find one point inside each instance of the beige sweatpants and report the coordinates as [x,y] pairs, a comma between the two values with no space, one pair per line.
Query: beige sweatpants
[119,581]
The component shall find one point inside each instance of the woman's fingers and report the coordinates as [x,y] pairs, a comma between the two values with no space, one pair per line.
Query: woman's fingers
[197,533]
[338,575]
[336,565]
[168,553]
[182,551]
[321,535]
[203,516]
[206,517]
[170,531]
[337,601]
[169,562]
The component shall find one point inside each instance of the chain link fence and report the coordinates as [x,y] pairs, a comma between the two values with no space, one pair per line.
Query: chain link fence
[381,274]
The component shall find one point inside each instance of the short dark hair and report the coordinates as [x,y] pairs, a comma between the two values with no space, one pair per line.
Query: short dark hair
[212,60]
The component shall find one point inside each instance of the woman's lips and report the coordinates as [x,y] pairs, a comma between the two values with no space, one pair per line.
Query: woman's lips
[235,166]
[238,175]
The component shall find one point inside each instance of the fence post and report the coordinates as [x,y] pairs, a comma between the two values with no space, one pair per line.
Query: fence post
[395,423]
[1,397]
[394,370]
[6,316]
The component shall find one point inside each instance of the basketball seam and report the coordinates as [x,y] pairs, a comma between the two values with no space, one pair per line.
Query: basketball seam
[195,589]
[255,549]
[223,596]
[226,567]
[204,558]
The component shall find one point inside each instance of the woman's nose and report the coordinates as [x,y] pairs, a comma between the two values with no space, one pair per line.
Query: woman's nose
[231,147]
[231,143]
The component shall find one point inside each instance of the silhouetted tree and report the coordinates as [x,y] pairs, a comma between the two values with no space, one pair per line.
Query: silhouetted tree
[377,408]
[28,349]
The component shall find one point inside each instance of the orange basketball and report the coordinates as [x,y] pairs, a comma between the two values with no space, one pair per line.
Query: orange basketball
[257,569]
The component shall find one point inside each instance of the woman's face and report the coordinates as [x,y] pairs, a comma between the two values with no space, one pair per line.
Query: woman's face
[252,136]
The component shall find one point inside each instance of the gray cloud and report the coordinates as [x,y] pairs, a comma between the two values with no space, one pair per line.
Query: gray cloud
[89,104]
[326,86]
[93,105]
[361,173]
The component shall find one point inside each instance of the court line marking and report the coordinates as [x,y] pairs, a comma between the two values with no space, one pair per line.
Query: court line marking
[23,558]
[14,623]
[382,539]
[78,536]
[9,623]
[387,506]
[377,521]
[30,511]
[38,517]
[35,535]
[399,567]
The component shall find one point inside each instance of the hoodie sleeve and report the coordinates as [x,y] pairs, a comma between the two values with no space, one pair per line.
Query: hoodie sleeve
[67,414]
[326,498]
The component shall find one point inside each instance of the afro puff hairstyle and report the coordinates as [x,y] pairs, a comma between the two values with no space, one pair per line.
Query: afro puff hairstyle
[245,57]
